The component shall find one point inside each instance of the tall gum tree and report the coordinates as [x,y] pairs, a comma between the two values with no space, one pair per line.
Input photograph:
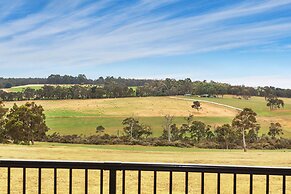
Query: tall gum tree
[244,122]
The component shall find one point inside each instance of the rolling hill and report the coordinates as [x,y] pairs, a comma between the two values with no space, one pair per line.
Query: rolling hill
[82,116]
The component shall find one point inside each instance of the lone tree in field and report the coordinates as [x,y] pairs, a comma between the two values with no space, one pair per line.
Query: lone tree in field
[244,122]
[168,121]
[275,129]
[26,123]
[196,105]
[275,103]
[100,129]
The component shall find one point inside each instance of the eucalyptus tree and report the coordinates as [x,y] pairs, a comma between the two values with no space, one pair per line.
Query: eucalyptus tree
[129,124]
[225,134]
[3,112]
[100,129]
[196,105]
[26,123]
[275,129]
[168,121]
[275,103]
[136,130]
[200,131]
[245,122]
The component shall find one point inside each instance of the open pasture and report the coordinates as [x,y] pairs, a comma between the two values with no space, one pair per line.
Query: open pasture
[22,88]
[82,116]
[258,104]
[39,86]
[55,151]
[32,86]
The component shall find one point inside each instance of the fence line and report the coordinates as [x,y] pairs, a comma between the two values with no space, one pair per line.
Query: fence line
[155,168]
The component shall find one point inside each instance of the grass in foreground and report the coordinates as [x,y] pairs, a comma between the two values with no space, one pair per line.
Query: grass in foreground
[54,151]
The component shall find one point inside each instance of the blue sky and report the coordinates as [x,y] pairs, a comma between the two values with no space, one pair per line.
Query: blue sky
[239,42]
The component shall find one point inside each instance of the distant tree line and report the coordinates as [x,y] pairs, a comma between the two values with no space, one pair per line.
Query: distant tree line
[111,87]
[49,92]
[68,79]
[11,82]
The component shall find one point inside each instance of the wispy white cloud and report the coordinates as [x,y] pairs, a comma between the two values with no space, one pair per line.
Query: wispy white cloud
[6,7]
[73,33]
[255,81]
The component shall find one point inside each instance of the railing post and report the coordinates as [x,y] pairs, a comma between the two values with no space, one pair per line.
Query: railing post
[24,181]
[112,181]
[8,180]
[284,184]
[39,180]
[55,181]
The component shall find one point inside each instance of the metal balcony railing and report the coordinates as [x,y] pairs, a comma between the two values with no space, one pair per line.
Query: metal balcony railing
[155,168]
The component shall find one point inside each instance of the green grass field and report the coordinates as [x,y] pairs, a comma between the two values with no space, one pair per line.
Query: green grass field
[258,104]
[22,88]
[32,86]
[39,86]
[82,116]
[87,125]
[55,151]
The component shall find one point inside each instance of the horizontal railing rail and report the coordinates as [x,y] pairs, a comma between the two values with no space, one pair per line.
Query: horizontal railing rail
[113,167]
[258,170]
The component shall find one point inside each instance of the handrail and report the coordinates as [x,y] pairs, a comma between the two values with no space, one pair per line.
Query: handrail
[107,165]
[114,166]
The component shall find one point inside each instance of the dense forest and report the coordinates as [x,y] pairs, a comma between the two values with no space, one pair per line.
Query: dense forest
[80,87]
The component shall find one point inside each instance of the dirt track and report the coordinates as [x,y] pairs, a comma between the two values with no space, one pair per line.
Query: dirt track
[219,104]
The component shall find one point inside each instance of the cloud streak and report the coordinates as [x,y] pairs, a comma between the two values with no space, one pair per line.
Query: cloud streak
[72,33]
[255,81]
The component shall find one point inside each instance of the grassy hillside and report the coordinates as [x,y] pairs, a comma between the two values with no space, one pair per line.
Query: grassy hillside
[39,86]
[32,86]
[258,104]
[82,116]
[53,151]
[22,88]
